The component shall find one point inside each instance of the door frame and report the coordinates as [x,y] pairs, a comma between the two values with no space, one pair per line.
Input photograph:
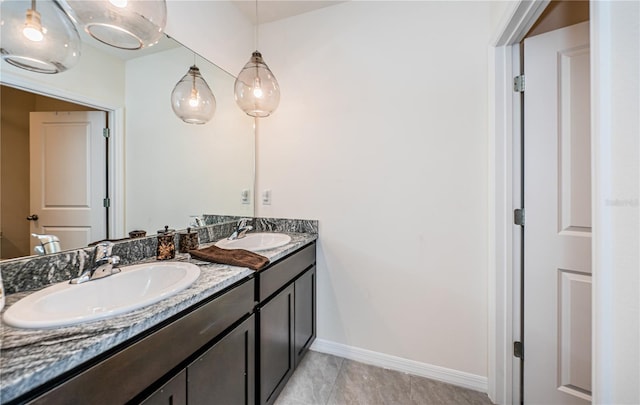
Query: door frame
[504,162]
[613,316]
[116,146]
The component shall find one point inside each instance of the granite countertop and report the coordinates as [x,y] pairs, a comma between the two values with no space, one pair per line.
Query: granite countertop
[31,357]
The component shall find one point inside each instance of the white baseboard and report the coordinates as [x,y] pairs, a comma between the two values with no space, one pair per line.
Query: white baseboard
[447,375]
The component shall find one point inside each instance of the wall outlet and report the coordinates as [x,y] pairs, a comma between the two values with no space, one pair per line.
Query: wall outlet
[266,197]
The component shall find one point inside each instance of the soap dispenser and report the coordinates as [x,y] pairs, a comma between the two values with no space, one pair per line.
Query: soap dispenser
[166,244]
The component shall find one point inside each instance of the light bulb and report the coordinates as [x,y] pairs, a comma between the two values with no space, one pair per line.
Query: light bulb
[33,34]
[194,100]
[257,88]
[33,27]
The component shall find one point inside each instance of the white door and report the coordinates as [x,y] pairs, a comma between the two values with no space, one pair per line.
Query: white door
[557,236]
[68,176]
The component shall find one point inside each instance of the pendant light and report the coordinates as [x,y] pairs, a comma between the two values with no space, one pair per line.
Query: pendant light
[38,37]
[256,89]
[192,100]
[124,24]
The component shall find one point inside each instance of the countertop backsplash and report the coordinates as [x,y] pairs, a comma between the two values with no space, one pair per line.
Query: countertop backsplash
[35,272]
[266,224]
[285,225]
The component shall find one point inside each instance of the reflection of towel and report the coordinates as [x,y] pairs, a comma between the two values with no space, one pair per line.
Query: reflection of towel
[234,257]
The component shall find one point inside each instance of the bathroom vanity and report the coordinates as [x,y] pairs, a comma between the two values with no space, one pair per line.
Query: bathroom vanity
[234,337]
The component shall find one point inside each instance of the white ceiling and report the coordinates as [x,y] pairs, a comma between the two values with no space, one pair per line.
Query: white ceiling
[272,10]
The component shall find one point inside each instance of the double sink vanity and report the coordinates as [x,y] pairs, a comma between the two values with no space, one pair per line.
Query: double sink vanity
[191,332]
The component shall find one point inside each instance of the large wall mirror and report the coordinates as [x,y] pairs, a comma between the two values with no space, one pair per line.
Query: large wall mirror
[155,169]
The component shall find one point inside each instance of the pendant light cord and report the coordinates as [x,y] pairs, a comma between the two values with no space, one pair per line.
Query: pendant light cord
[255,30]
[33,5]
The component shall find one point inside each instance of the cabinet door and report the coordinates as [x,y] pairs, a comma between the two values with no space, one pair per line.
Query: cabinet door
[225,374]
[276,344]
[173,392]
[305,313]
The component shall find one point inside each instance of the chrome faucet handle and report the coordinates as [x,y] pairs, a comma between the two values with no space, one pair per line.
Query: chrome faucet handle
[106,267]
[102,250]
[241,229]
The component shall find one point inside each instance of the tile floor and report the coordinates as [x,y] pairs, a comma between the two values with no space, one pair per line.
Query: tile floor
[323,379]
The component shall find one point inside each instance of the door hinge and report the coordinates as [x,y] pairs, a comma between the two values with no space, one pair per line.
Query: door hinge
[106,132]
[518,350]
[106,202]
[518,216]
[518,84]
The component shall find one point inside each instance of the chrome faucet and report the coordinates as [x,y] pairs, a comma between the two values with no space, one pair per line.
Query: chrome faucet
[241,229]
[104,264]
[48,244]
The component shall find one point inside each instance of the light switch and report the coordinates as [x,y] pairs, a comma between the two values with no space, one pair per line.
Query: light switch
[266,197]
[245,196]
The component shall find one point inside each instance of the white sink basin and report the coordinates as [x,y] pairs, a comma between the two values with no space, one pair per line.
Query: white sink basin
[256,241]
[136,286]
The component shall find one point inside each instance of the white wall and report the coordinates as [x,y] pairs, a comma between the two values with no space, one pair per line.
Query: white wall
[499,10]
[615,99]
[215,29]
[381,135]
[174,169]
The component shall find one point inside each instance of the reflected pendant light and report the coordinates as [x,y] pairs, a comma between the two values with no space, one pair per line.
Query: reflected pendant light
[192,100]
[124,24]
[256,89]
[38,37]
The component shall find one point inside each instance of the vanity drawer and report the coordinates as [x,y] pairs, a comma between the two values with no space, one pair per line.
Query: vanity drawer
[124,375]
[277,276]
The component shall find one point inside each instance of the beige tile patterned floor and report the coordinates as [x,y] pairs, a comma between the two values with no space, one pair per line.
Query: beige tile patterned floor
[322,379]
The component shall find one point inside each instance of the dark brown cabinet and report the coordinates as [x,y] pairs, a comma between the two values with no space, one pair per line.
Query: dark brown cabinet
[287,321]
[305,313]
[276,344]
[225,374]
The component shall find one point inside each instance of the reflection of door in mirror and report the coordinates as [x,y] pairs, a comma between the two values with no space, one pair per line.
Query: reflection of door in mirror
[38,158]
[68,176]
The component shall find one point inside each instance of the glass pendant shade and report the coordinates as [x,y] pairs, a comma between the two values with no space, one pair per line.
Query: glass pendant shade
[256,89]
[38,36]
[192,100]
[124,24]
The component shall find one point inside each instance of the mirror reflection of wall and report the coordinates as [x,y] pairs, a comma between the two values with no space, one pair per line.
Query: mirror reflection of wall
[183,169]
[162,169]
